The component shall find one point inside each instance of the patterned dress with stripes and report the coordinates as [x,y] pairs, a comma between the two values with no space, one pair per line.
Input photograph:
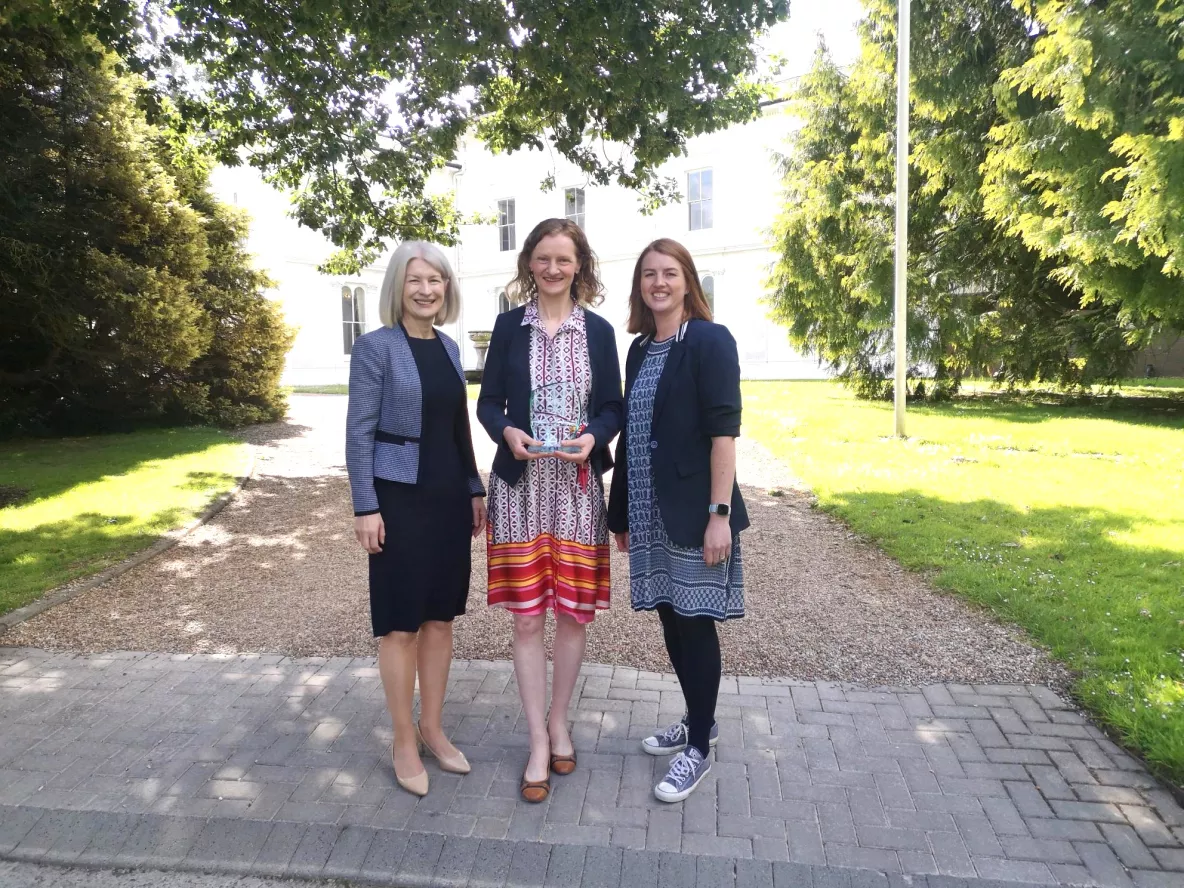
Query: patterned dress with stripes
[547,535]
[661,572]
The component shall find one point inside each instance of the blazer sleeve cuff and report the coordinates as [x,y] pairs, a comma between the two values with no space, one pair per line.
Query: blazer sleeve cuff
[476,488]
[359,514]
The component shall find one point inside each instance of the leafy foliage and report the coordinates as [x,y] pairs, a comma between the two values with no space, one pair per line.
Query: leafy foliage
[352,104]
[980,300]
[124,297]
[1087,166]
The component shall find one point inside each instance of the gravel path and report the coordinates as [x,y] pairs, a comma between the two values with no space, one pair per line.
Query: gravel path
[278,571]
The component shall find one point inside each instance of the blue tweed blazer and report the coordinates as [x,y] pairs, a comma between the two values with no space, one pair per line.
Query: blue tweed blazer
[385,412]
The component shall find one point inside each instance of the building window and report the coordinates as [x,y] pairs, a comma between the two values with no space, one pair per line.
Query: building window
[503,301]
[699,199]
[505,225]
[708,284]
[573,205]
[353,315]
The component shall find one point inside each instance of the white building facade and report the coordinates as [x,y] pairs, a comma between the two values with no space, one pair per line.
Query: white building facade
[730,197]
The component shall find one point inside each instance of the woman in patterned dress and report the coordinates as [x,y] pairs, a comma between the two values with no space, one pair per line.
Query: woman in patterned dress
[547,536]
[675,505]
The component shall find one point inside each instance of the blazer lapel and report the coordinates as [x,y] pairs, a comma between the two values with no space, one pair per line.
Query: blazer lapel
[669,371]
[454,354]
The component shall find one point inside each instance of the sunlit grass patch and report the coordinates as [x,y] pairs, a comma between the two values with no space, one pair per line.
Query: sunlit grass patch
[93,501]
[1066,517]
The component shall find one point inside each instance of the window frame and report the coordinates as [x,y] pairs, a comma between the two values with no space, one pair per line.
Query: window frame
[699,206]
[580,197]
[353,297]
[507,215]
[708,292]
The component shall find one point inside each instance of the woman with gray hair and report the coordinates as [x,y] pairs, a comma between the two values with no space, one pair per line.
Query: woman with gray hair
[417,497]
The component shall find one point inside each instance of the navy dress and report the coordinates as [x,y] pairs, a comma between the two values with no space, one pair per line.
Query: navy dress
[422,573]
[661,572]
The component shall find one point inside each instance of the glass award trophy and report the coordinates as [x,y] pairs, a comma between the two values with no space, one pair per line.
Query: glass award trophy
[556,414]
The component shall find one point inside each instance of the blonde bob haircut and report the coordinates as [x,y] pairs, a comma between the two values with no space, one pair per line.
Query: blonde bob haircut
[390,297]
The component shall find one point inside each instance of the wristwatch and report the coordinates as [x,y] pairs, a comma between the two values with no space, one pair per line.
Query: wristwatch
[719,509]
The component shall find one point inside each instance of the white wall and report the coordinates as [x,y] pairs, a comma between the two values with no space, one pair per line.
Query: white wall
[734,250]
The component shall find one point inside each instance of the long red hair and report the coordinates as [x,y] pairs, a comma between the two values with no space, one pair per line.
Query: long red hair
[641,319]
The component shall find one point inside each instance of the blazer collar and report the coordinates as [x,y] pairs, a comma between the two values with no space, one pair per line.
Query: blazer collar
[670,370]
[679,335]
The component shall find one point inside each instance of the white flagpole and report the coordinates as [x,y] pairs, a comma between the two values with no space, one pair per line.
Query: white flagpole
[902,208]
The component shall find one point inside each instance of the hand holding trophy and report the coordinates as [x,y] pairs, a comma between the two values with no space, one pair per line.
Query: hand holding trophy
[556,418]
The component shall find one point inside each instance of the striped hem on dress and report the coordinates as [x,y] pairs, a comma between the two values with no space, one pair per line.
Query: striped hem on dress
[567,577]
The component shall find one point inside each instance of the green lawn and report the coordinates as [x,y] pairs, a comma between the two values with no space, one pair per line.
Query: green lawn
[473,389]
[91,502]
[319,389]
[1067,519]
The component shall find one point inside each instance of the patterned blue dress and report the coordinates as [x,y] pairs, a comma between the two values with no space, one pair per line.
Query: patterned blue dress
[661,572]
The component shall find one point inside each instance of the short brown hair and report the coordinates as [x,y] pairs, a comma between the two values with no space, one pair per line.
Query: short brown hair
[641,319]
[586,288]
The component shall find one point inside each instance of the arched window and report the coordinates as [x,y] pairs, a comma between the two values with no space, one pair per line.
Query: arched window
[503,301]
[353,315]
[708,283]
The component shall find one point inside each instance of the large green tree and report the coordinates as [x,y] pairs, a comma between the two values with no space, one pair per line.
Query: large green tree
[1087,164]
[125,293]
[351,104]
[979,299]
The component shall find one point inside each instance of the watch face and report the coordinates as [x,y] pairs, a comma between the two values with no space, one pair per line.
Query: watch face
[720,509]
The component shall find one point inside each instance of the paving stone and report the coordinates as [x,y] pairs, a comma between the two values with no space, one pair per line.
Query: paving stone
[950,854]
[712,872]
[676,870]
[1102,863]
[1170,858]
[754,874]
[664,832]
[639,869]
[1045,850]
[1012,870]
[793,875]
[15,824]
[230,842]
[421,857]
[107,840]
[1151,829]
[456,862]
[278,849]
[529,865]
[310,856]
[350,851]
[1087,811]
[602,868]
[160,841]
[491,865]
[838,854]
[1128,846]
[566,866]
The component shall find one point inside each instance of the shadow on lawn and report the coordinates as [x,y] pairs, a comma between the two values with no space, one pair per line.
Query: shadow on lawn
[1035,407]
[51,466]
[1111,610]
[41,558]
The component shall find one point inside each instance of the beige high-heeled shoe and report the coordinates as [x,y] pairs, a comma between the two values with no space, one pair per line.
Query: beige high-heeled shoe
[456,764]
[417,785]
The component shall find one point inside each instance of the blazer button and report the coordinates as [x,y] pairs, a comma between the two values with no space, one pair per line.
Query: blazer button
[653,445]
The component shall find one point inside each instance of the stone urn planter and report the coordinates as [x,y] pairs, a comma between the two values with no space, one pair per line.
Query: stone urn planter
[480,340]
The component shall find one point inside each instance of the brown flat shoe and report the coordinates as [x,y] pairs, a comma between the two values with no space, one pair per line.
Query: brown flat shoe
[563,764]
[535,791]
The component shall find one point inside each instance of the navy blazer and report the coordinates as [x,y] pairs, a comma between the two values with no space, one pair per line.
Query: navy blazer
[505,389]
[698,399]
[385,413]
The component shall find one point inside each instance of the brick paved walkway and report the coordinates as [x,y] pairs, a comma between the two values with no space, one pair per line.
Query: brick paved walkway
[276,766]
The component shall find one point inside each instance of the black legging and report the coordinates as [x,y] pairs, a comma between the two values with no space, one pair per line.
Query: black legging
[693,646]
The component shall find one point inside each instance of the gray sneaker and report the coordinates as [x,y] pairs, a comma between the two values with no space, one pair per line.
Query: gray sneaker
[686,770]
[674,739]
